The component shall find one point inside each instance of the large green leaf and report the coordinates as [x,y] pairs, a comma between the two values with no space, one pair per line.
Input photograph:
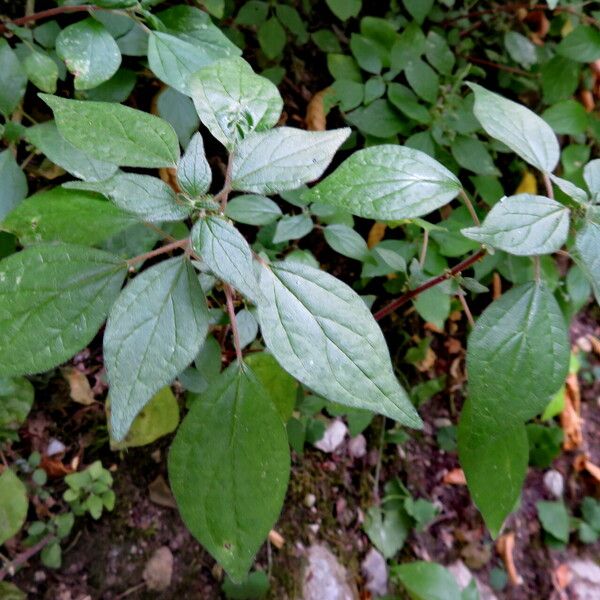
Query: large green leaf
[582,44]
[493,452]
[13,505]
[525,225]
[591,174]
[427,580]
[322,333]
[587,249]
[193,171]
[45,137]
[50,216]
[114,133]
[154,331]
[16,399]
[523,332]
[144,196]
[229,467]
[227,254]
[89,52]
[13,79]
[519,128]
[233,101]
[14,183]
[283,158]
[387,182]
[53,299]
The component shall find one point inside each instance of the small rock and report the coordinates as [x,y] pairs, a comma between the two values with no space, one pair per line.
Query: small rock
[357,446]
[333,437]
[554,482]
[585,582]
[309,500]
[55,447]
[374,569]
[324,578]
[161,494]
[463,577]
[314,527]
[442,422]
[39,576]
[159,570]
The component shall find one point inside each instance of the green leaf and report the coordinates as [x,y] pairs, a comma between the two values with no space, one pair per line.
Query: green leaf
[233,101]
[493,452]
[524,132]
[53,299]
[226,253]
[253,210]
[567,117]
[90,53]
[283,158]
[154,330]
[272,38]
[179,111]
[395,183]
[581,45]
[344,9]
[438,53]
[16,400]
[418,9]
[378,119]
[193,171]
[422,79]
[8,591]
[292,227]
[50,216]
[343,67]
[51,555]
[366,53]
[427,581]
[41,70]
[587,242]
[346,241]
[148,198]
[570,189]
[522,332]
[158,418]
[406,101]
[524,225]
[410,45]
[560,78]
[116,134]
[46,138]
[554,519]
[14,183]
[306,315]
[520,48]
[472,154]
[13,505]
[387,529]
[13,79]
[591,175]
[117,89]
[253,12]
[229,467]
[282,387]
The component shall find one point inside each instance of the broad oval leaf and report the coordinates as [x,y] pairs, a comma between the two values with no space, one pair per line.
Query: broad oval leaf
[346,241]
[587,254]
[591,174]
[322,333]
[387,183]
[53,299]
[227,254]
[427,580]
[46,137]
[283,158]
[493,452]
[16,399]
[50,216]
[252,209]
[13,80]
[519,128]
[13,505]
[114,133]
[232,101]
[89,52]
[523,332]
[193,171]
[229,467]
[14,183]
[146,197]
[524,225]
[153,332]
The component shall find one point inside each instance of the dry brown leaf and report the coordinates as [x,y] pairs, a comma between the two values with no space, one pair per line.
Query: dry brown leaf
[595,342]
[455,477]
[80,389]
[427,362]
[505,547]
[48,170]
[276,539]
[376,234]
[161,494]
[453,345]
[316,117]
[562,576]
[570,417]
[55,468]
[432,327]
[593,470]
[587,99]
[168,175]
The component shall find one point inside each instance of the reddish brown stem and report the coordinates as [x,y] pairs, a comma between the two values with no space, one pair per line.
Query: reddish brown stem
[22,558]
[47,14]
[394,304]
[489,63]
[162,250]
[232,318]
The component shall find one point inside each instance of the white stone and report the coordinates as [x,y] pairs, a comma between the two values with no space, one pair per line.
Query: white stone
[585,584]
[333,437]
[374,569]
[554,482]
[324,578]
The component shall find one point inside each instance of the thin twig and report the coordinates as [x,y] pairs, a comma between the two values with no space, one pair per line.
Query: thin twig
[48,14]
[22,558]
[163,234]
[223,195]
[233,319]
[548,184]
[394,304]
[162,250]
[499,66]
[470,207]
[379,460]
[467,310]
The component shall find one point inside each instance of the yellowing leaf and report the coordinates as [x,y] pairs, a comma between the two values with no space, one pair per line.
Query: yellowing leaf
[376,234]
[528,184]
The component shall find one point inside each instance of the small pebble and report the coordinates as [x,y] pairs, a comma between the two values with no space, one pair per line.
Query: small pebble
[554,483]
[357,446]
[309,500]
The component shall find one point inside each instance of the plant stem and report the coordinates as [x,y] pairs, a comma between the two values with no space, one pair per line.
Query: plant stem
[233,319]
[47,14]
[499,66]
[223,195]
[467,310]
[424,245]
[22,558]
[470,207]
[548,184]
[162,250]
[537,268]
[394,304]
[379,460]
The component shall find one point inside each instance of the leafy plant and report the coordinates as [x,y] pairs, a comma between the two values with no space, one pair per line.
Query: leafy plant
[90,491]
